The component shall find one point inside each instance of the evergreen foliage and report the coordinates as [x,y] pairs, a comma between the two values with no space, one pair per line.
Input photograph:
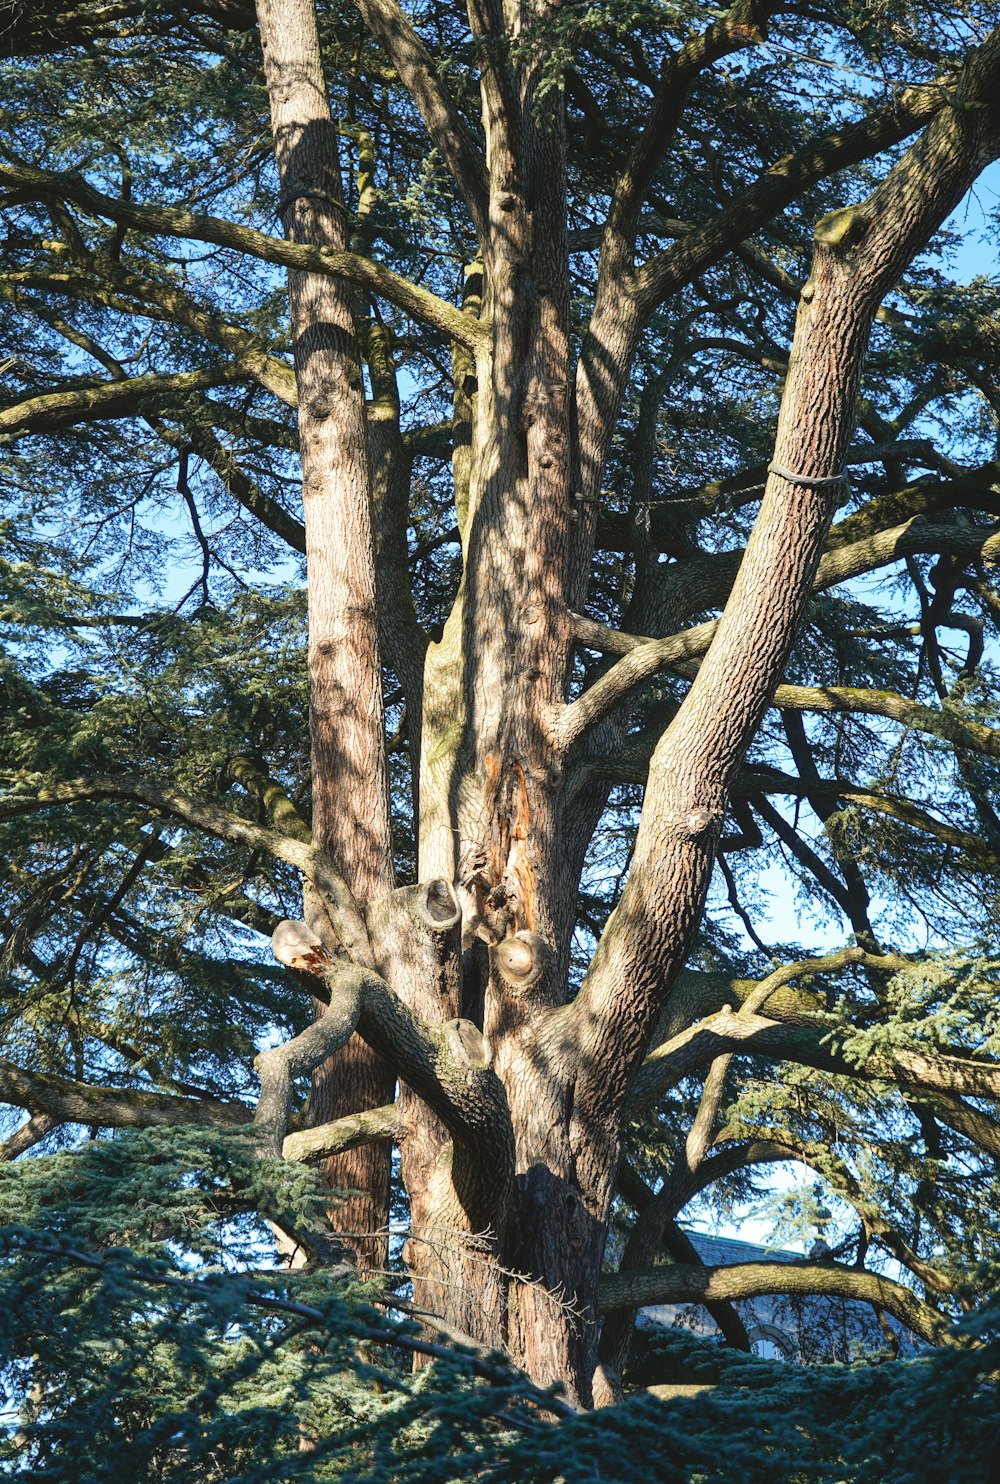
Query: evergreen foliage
[144,1340]
[152,638]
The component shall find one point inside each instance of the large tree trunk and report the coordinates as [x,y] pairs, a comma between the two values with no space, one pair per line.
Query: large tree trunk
[492,783]
[350,803]
[517,1263]
[567,1071]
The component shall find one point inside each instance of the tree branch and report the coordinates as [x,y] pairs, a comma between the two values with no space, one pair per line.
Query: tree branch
[617,532]
[280,1065]
[205,814]
[447,1064]
[743,25]
[420,75]
[28,1135]
[108,399]
[893,806]
[781,184]
[624,303]
[773,1148]
[67,1101]
[643,658]
[689,1285]
[310,1145]
[816,1046]
[176,221]
[110,286]
[946,722]
[199,439]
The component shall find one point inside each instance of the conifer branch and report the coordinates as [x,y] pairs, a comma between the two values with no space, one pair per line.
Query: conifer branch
[421,77]
[109,399]
[67,1101]
[204,814]
[310,1145]
[176,221]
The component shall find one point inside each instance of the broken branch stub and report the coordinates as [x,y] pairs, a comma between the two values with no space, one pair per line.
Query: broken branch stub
[295,945]
[521,960]
[437,905]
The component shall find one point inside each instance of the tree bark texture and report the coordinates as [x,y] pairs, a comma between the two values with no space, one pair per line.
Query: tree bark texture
[350,800]
[509,1212]
[449,1020]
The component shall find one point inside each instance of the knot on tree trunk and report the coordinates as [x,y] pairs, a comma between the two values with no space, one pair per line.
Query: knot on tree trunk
[435,904]
[521,960]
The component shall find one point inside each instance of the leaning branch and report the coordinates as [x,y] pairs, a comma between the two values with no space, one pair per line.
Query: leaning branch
[28,1135]
[743,25]
[44,1094]
[640,662]
[311,1145]
[893,806]
[633,766]
[421,77]
[780,185]
[642,658]
[814,1046]
[840,699]
[108,399]
[110,286]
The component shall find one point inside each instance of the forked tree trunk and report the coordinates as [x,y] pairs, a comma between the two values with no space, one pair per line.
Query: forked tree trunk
[567,1068]
[517,1262]
[492,780]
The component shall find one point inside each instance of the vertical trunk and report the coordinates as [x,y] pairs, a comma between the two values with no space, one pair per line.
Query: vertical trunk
[492,781]
[350,795]
[551,1237]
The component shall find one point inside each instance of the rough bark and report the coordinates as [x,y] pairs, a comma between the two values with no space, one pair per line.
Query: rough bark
[450,1251]
[858,254]
[512,1101]
[67,1101]
[496,733]
[491,783]
[350,804]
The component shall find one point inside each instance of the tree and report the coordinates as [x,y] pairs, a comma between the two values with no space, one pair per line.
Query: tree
[498,388]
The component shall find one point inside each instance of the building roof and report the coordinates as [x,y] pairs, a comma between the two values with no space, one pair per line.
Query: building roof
[718,1252]
[813,1328]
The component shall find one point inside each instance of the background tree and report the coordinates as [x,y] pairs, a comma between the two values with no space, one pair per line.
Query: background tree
[597,569]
